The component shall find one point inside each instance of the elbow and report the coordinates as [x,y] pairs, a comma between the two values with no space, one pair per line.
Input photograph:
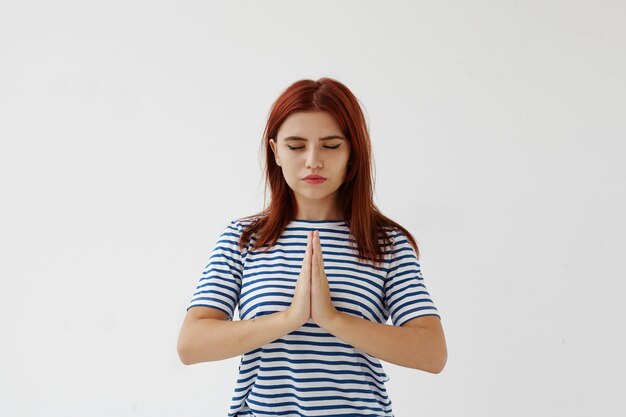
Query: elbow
[434,368]
[435,361]
[189,355]
[441,355]
[182,355]
[439,368]
[432,365]
[184,359]
[441,363]
[183,352]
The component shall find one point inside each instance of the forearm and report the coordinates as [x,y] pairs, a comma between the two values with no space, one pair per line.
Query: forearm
[206,340]
[413,347]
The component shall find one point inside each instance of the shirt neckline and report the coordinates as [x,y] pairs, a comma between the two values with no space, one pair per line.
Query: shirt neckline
[325,222]
[317,221]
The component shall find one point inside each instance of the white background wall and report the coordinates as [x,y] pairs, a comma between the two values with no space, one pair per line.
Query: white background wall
[498,131]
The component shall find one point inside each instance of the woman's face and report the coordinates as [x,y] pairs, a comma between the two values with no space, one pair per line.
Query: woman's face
[307,143]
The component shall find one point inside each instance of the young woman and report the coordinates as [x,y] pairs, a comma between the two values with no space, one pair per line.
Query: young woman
[315,276]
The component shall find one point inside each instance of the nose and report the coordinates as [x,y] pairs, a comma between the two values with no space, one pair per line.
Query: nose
[313,158]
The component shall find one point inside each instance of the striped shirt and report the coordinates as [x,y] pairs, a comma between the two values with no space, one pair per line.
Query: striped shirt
[310,372]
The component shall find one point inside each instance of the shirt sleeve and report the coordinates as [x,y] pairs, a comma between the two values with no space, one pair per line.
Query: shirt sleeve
[406,295]
[219,285]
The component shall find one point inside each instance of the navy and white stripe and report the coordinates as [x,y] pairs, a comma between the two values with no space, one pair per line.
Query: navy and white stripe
[310,372]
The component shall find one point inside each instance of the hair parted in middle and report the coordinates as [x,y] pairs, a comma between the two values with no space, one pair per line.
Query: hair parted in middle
[365,221]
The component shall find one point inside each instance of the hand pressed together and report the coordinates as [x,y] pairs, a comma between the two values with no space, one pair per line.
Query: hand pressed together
[312,294]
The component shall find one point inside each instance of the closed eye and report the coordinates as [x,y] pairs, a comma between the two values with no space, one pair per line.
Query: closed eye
[293,148]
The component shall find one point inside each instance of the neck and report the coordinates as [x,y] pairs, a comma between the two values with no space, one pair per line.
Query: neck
[318,212]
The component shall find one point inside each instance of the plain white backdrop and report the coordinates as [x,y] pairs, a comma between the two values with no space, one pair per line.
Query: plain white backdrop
[130,136]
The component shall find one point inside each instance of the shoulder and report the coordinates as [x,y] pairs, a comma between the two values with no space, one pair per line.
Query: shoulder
[241,223]
[233,227]
[401,244]
[394,234]
[239,226]
[231,231]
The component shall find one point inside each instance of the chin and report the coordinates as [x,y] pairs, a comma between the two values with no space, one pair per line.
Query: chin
[319,194]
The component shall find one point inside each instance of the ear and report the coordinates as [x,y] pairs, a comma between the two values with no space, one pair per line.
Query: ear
[273,145]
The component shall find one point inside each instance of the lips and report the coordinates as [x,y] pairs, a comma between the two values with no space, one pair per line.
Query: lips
[314,177]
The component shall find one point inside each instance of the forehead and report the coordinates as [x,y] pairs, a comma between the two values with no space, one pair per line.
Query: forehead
[310,124]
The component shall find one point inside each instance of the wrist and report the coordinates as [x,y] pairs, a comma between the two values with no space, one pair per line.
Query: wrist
[330,320]
[290,320]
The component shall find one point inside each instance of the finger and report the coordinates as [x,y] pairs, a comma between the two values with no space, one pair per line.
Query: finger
[310,245]
[310,237]
[317,244]
[320,259]
[307,254]
[307,263]
[315,254]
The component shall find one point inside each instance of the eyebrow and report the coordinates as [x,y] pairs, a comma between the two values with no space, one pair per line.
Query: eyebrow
[288,138]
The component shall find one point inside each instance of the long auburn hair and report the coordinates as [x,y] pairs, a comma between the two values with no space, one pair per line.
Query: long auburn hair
[365,221]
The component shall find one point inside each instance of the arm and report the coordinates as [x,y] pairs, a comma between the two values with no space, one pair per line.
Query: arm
[207,336]
[418,344]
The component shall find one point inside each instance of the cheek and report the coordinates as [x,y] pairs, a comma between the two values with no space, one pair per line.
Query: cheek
[343,161]
[289,163]
[290,169]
